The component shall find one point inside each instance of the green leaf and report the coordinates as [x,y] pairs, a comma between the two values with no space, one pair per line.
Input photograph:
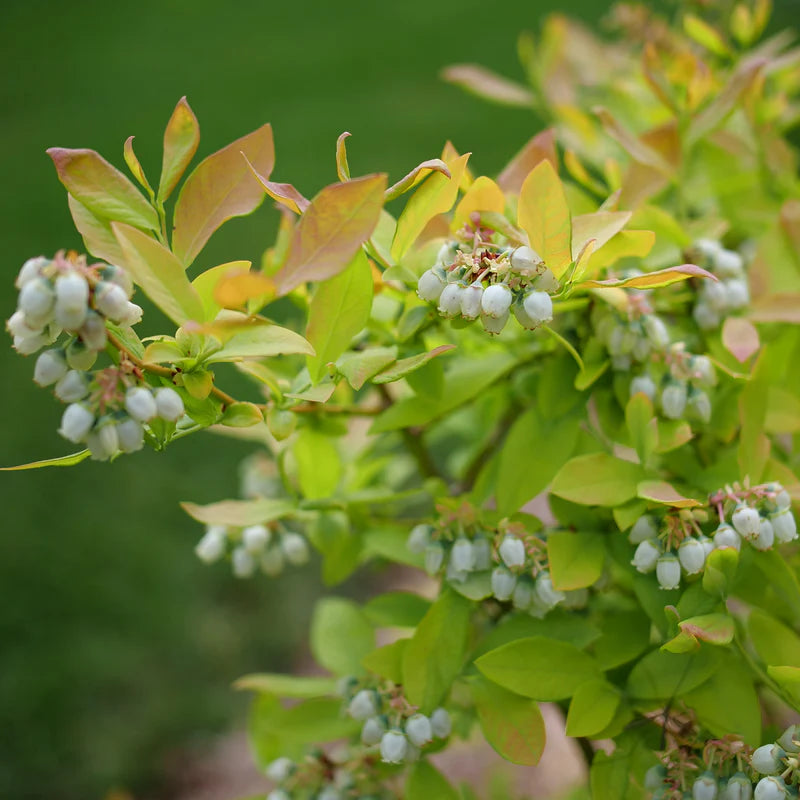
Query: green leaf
[219,188]
[338,311]
[642,425]
[159,273]
[544,215]
[576,559]
[788,678]
[543,669]
[597,479]
[477,586]
[662,492]
[206,283]
[330,232]
[712,628]
[242,415]
[719,571]
[662,676]
[775,642]
[340,545]
[340,636]
[319,465]
[135,166]
[781,579]
[512,725]
[705,34]
[258,338]
[59,461]
[286,685]
[626,634]
[102,188]
[619,776]
[387,661]
[592,708]
[181,137]
[396,609]
[434,656]
[240,513]
[96,232]
[405,366]
[358,367]
[517,484]
[425,782]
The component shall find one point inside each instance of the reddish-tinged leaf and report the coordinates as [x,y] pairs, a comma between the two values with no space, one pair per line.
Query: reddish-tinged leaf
[449,156]
[541,147]
[544,215]
[484,195]
[159,273]
[338,221]
[220,187]
[653,280]
[96,232]
[740,338]
[239,512]
[663,492]
[416,176]
[102,188]
[235,288]
[488,85]
[135,167]
[634,146]
[712,628]
[181,137]
[777,308]
[342,167]
[283,193]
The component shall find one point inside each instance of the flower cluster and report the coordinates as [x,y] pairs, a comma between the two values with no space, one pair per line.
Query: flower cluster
[490,282]
[268,547]
[760,515]
[779,762]
[506,563]
[730,293]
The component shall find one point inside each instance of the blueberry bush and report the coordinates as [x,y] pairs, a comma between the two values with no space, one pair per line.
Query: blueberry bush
[596,494]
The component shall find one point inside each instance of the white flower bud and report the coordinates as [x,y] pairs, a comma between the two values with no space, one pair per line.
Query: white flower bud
[503,583]
[728,263]
[111,300]
[212,546]
[79,356]
[37,300]
[419,538]
[434,557]
[31,269]
[418,730]
[646,556]
[654,777]
[644,528]
[771,788]
[706,317]
[522,596]
[244,565]
[726,536]
[131,435]
[705,787]
[71,319]
[656,331]
[522,317]
[455,575]
[278,794]
[673,400]
[363,705]
[789,740]
[766,535]
[73,386]
[76,422]
[708,544]
[280,769]
[72,292]
[545,593]
[707,248]
[737,788]
[93,331]
[103,441]
[538,306]
[255,538]
[169,404]
[461,556]
[641,350]
[295,548]
[644,384]
[548,282]
[703,371]
[715,294]
[28,345]
[746,521]
[120,276]
[50,367]
[783,500]
[271,561]
[17,325]
[512,551]
[131,315]
[768,759]
[738,293]
[494,325]
[668,571]
[525,258]
[784,525]
[450,300]
[373,731]
[482,552]
[140,403]
[700,405]
[447,254]
[692,556]
[496,301]
[393,747]
[471,301]
[440,723]
[430,286]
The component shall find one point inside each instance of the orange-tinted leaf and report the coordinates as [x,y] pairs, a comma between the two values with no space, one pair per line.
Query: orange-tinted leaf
[449,155]
[488,85]
[600,226]
[541,147]
[283,193]
[712,628]
[544,215]
[181,137]
[435,196]
[96,232]
[653,280]
[342,167]
[483,195]
[102,188]
[637,149]
[664,493]
[206,283]
[159,273]
[740,338]
[135,167]
[220,187]
[338,221]
[416,176]
[234,289]
[777,308]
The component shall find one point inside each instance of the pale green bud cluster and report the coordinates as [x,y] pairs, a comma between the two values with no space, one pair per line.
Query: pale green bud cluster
[730,293]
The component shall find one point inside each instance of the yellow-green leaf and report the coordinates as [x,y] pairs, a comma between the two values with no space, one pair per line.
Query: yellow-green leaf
[206,283]
[664,493]
[60,461]
[181,137]
[652,280]
[97,235]
[416,176]
[600,226]
[483,195]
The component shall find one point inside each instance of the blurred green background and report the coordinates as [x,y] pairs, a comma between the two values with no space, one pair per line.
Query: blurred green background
[118,646]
